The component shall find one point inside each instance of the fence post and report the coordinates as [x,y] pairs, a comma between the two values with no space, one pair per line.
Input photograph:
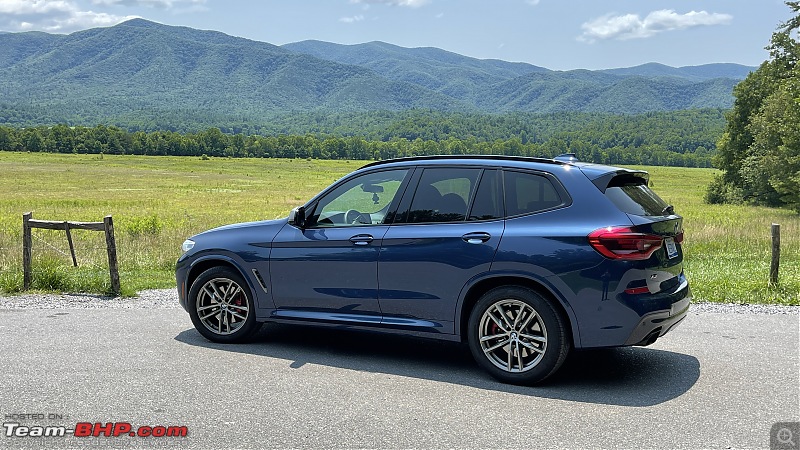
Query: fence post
[111,246]
[776,254]
[71,245]
[27,243]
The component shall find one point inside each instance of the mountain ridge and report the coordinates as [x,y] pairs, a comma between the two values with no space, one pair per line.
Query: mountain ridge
[145,68]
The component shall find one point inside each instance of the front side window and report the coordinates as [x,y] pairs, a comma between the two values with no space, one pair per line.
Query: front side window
[442,195]
[364,200]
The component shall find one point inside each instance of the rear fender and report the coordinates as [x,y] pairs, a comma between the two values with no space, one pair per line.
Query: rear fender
[542,285]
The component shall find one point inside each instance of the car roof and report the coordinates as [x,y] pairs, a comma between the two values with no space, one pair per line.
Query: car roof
[523,162]
[498,160]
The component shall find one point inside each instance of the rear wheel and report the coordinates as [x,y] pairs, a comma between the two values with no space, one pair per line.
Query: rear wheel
[517,335]
[221,306]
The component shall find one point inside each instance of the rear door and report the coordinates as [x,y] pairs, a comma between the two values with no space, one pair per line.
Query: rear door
[447,230]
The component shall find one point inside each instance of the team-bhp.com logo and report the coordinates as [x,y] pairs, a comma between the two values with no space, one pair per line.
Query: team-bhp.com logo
[88,429]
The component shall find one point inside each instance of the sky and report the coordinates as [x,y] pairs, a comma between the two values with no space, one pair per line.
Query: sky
[556,34]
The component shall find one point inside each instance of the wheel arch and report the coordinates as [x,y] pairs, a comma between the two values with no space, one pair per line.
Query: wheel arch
[207,262]
[484,285]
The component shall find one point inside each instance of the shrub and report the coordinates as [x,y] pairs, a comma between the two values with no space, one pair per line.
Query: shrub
[150,225]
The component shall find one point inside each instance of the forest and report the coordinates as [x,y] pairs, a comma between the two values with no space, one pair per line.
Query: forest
[674,138]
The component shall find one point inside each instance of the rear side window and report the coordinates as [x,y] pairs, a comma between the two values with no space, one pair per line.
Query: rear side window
[443,195]
[631,195]
[488,203]
[529,193]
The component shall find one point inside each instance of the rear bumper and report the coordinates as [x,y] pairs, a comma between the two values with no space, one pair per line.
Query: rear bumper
[658,323]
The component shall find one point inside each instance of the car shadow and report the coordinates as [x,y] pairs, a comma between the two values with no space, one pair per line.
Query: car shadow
[629,376]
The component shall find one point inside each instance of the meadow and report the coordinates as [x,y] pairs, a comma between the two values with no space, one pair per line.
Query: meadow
[159,201]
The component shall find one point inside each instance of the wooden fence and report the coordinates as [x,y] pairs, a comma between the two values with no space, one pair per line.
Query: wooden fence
[107,226]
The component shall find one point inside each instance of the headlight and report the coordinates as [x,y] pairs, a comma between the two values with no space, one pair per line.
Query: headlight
[187,245]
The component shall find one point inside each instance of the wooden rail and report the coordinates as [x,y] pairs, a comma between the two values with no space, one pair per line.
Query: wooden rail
[107,226]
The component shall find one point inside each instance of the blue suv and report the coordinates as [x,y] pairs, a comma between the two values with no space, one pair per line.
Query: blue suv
[522,258]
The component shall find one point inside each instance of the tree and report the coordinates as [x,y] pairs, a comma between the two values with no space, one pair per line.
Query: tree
[760,149]
[8,139]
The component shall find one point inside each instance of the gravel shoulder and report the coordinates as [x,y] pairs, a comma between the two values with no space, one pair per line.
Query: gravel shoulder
[168,299]
[149,299]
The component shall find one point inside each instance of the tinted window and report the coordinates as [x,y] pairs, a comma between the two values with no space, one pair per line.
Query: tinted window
[364,200]
[632,196]
[442,195]
[528,193]
[488,202]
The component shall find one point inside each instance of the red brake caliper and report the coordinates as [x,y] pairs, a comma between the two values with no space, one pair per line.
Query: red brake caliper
[238,302]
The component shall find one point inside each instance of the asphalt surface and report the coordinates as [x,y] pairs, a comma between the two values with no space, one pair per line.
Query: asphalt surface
[720,380]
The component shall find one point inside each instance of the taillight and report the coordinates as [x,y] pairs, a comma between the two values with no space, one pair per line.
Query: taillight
[624,243]
[679,237]
[638,290]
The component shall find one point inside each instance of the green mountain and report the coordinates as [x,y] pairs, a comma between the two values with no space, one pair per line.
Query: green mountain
[148,75]
[586,91]
[693,73]
[449,73]
[499,86]
[142,66]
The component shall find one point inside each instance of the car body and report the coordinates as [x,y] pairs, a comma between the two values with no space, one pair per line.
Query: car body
[523,258]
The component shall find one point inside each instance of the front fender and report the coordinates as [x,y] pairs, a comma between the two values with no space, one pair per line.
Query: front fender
[208,259]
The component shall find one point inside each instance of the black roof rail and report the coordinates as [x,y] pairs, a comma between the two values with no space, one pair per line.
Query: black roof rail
[490,157]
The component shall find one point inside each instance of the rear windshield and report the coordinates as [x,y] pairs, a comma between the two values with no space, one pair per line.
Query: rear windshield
[632,196]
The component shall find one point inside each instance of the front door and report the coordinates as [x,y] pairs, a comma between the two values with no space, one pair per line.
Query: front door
[329,270]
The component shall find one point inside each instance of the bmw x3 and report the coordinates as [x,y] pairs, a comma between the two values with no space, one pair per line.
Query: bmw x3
[524,259]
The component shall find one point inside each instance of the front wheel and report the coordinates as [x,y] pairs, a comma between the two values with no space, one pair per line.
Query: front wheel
[221,306]
[517,335]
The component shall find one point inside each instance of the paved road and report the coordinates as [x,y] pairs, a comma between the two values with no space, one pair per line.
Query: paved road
[719,380]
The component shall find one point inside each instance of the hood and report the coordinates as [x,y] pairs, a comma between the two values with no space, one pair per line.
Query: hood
[245,225]
[237,236]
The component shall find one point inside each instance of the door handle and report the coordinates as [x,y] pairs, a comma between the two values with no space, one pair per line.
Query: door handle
[476,238]
[361,239]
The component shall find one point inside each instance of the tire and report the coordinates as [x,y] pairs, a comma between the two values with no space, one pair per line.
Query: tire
[222,307]
[517,335]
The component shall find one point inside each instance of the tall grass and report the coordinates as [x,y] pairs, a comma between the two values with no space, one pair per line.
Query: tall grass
[728,247]
[159,201]
[156,203]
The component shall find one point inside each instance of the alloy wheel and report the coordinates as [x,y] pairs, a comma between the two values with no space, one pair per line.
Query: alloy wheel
[512,336]
[222,306]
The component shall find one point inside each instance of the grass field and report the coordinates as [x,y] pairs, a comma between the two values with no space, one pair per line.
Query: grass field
[159,201]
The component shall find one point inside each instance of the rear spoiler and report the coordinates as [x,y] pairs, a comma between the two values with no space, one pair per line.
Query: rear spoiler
[602,179]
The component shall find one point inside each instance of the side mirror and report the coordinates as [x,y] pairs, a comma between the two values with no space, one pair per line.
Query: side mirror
[297,217]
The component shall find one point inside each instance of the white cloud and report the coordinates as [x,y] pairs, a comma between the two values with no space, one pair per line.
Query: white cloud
[86,19]
[409,3]
[54,16]
[164,4]
[532,2]
[23,7]
[352,19]
[631,26]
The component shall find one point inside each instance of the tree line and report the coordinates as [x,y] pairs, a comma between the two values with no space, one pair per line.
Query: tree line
[212,142]
[759,151]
